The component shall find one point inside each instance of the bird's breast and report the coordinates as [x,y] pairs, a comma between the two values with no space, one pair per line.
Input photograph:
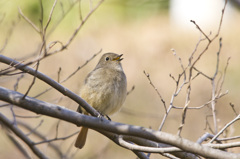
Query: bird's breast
[105,90]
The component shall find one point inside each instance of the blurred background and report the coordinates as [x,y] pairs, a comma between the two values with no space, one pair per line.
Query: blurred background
[145,32]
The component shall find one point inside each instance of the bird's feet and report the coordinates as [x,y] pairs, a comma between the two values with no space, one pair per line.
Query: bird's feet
[102,116]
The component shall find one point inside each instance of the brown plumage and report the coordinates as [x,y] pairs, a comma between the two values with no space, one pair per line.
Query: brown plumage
[105,89]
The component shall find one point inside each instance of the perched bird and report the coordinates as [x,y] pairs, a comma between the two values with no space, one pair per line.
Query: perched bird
[105,89]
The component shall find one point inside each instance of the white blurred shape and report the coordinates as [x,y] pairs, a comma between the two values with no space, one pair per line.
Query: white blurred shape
[206,13]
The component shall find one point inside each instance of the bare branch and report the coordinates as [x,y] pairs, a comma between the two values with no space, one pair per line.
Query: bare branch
[209,40]
[57,138]
[198,27]
[195,49]
[35,129]
[213,103]
[221,20]
[51,82]
[43,137]
[64,14]
[72,74]
[33,81]
[224,128]
[130,91]
[150,81]
[50,16]
[138,113]
[203,105]
[4,46]
[58,77]
[228,138]
[166,114]
[137,139]
[204,138]
[81,24]
[208,124]
[17,82]
[80,11]
[22,136]
[28,20]
[224,146]
[200,72]
[41,17]
[130,146]
[223,77]
[233,108]
[19,146]
[180,61]
[20,116]
[48,109]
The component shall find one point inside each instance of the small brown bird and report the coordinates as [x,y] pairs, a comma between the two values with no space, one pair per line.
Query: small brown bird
[105,89]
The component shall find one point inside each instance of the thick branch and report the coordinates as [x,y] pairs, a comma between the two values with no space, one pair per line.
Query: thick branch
[65,114]
[22,136]
[49,81]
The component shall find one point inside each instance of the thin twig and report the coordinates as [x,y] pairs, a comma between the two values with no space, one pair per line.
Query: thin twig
[18,145]
[203,105]
[82,23]
[80,11]
[130,91]
[63,47]
[57,128]
[159,95]
[221,20]
[204,137]
[207,123]
[224,146]
[138,113]
[113,127]
[58,75]
[33,81]
[196,48]
[8,36]
[50,82]
[22,136]
[64,14]
[213,103]
[166,114]
[228,138]
[17,82]
[200,72]
[223,77]
[130,146]
[56,139]
[198,27]
[20,116]
[233,108]
[39,135]
[225,127]
[28,20]
[72,74]
[50,16]
[13,114]
[210,40]
[35,129]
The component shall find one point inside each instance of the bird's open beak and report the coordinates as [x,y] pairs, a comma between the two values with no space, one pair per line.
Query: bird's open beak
[118,58]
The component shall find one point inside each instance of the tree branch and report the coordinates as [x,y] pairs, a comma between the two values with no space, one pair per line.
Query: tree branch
[65,114]
[22,136]
[50,82]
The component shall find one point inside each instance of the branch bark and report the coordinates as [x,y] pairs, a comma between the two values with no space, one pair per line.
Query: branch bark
[22,136]
[50,82]
[41,107]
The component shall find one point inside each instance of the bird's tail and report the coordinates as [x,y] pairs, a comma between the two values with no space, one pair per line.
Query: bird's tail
[81,139]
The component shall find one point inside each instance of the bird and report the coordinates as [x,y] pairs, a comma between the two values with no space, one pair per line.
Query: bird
[104,88]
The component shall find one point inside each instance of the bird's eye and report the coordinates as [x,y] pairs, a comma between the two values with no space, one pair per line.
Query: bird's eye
[107,58]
